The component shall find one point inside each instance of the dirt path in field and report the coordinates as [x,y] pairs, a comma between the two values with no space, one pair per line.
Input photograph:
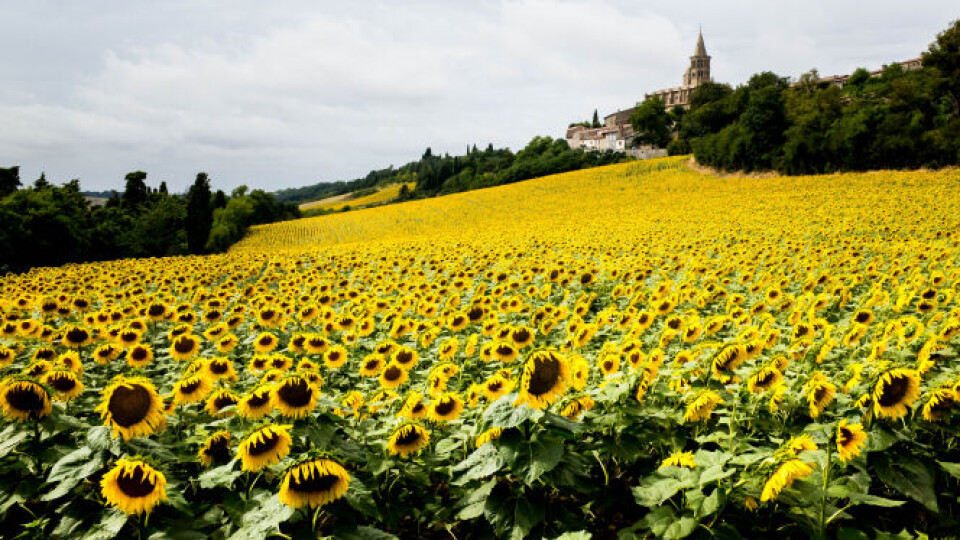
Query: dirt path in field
[703,169]
[335,198]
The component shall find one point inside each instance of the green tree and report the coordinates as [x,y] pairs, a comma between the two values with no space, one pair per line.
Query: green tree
[596,119]
[199,217]
[651,122]
[9,180]
[135,192]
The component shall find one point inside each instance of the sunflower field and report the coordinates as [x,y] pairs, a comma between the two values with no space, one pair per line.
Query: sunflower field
[633,351]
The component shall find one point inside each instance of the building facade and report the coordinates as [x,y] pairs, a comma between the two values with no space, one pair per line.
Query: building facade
[696,74]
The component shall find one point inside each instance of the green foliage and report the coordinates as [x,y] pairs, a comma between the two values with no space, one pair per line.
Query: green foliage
[231,221]
[199,214]
[652,122]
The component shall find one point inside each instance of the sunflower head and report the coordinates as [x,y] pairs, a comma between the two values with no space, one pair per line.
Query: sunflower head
[408,439]
[895,391]
[294,396]
[679,459]
[23,399]
[139,355]
[546,375]
[132,407]
[257,403]
[850,439]
[264,447]
[65,383]
[215,449]
[447,407]
[219,403]
[133,486]
[192,389]
[314,482]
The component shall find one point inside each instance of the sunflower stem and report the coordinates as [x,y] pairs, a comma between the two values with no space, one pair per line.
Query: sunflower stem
[823,499]
[38,447]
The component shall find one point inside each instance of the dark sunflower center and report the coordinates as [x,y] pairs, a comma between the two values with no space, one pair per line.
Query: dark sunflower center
[521,336]
[314,484]
[138,354]
[135,485]
[819,395]
[219,368]
[495,386]
[765,379]
[63,383]
[445,407]
[295,393]
[219,450]
[894,391]
[404,357]
[45,354]
[279,363]
[409,437]
[863,317]
[844,437]
[942,407]
[392,373]
[298,341]
[183,345]
[334,356]
[267,314]
[156,310]
[504,350]
[129,405]
[224,400]
[25,399]
[545,376]
[372,365]
[266,341]
[269,442]
[259,363]
[190,387]
[258,400]
[128,336]
[77,335]
[418,408]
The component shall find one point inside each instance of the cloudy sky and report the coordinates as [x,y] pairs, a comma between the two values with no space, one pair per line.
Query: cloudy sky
[284,94]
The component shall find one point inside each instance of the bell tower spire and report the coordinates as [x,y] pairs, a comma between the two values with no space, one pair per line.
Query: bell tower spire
[699,70]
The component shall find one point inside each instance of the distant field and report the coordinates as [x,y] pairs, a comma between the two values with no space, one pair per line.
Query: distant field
[339,201]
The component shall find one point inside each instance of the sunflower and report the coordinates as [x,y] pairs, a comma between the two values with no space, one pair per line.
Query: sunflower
[850,440]
[894,392]
[139,355]
[257,403]
[335,357]
[37,368]
[258,363]
[799,444]
[788,472]
[574,408]
[447,407]
[64,382]
[216,449]
[269,317]
[764,379]
[819,393]
[132,407]
[24,399]
[314,483]
[76,337]
[184,346]
[353,401]
[280,362]
[727,360]
[315,344]
[522,336]
[6,356]
[489,435]
[408,439]
[505,352]
[265,342]
[220,400]
[192,389]
[545,378]
[220,368]
[579,372]
[106,353]
[227,343]
[702,406]
[413,407]
[497,386]
[939,405]
[679,459]
[372,365]
[133,486]
[264,447]
[295,397]
[393,375]
[405,357]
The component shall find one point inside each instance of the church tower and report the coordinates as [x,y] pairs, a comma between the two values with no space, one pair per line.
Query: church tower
[699,70]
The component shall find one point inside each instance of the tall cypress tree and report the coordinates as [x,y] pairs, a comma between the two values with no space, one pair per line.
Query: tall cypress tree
[199,214]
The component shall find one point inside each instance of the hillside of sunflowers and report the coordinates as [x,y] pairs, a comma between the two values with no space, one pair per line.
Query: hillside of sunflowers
[633,351]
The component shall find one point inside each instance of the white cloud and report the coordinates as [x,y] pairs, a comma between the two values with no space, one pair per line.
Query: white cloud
[291,95]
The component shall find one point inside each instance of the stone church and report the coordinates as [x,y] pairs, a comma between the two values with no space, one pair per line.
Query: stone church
[695,75]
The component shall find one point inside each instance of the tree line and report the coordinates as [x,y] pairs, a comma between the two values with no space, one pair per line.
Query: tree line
[895,119]
[49,225]
[442,174]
